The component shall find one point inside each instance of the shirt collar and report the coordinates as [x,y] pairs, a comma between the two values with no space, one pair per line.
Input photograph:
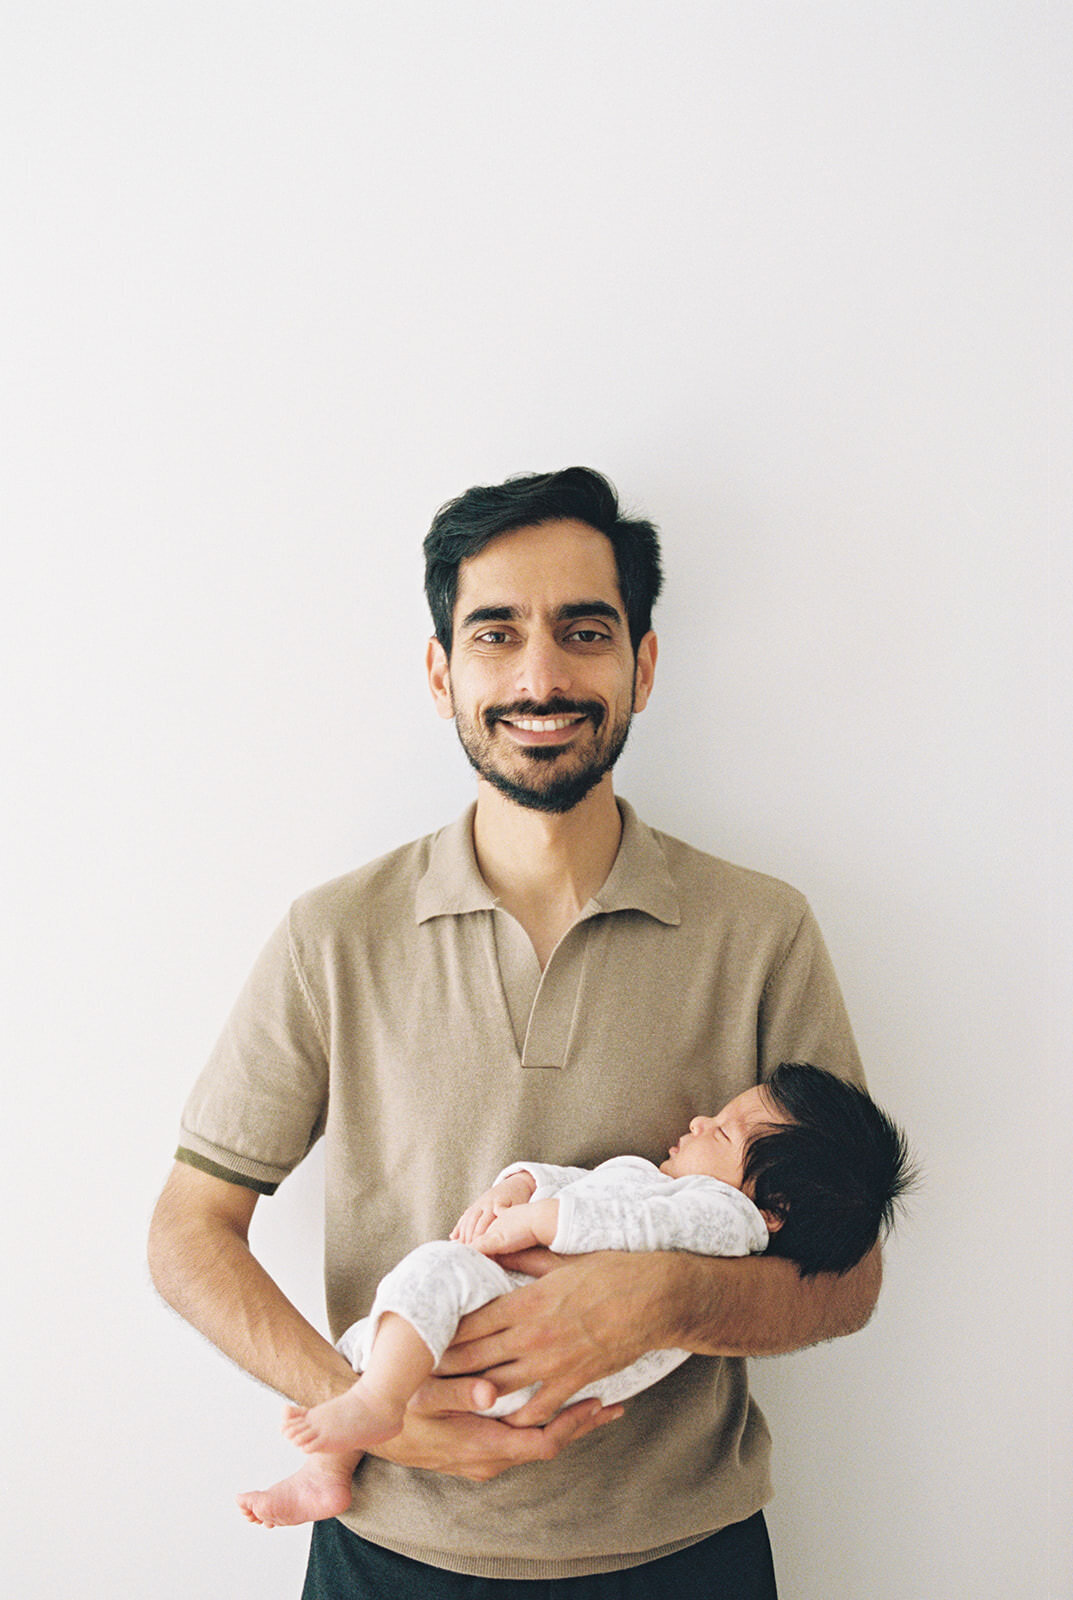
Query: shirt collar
[638,881]
[452,884]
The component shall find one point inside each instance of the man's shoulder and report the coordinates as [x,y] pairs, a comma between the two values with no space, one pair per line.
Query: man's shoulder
[704,879]
[377,888]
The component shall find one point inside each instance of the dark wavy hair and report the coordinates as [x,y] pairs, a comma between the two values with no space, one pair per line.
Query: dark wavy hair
[833,1174]
[464,526]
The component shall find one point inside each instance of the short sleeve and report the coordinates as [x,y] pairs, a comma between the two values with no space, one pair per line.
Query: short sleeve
[261,1101]
[802,1014]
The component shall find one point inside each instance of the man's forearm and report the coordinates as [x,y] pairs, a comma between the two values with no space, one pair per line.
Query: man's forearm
[591,1315]
[202,1265]
[759,1305]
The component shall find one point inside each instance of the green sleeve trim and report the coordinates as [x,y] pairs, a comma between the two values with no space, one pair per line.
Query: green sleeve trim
[203,1164]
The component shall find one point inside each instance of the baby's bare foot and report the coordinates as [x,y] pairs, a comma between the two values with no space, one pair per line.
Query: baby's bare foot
[321,1488]
[350,1421]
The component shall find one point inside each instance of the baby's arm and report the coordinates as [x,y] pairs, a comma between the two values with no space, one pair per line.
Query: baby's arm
[700,1215]
[512,1191]
[519,1227]
[708,1219]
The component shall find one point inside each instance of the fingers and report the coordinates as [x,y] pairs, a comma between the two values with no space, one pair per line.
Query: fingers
[439,1395]
[511,1232]
[473,1356]
[497,1316]
[494,1240]
[463,1228]
[504,1376]
[481,1449]
[473,1221]
[569,1426]
[544,1409]
[515,1446]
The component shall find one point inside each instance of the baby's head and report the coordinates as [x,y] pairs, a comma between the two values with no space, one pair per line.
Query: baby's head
[815,1154]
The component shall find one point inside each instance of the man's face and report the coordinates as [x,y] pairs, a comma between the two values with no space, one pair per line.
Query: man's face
[716,1146]
[542,680]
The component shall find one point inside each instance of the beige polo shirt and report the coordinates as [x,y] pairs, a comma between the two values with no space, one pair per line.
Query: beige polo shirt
[401,1015]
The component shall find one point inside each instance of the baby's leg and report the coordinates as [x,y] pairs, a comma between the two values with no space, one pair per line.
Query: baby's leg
[374,1407]
[430,1288]
[321,1488]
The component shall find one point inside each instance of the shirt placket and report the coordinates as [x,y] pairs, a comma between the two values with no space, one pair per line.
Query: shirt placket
[543,1005]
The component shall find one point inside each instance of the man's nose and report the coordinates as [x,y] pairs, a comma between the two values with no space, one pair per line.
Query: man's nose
[543,670]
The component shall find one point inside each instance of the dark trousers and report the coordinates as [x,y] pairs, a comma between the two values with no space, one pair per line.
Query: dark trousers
[733,1564]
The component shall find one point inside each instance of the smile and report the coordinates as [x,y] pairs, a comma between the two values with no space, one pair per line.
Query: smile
[541,724]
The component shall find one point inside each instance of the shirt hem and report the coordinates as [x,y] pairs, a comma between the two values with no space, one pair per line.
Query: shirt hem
[474,1566]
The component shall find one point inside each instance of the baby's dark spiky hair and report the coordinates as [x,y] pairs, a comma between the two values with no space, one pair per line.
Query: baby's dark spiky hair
[832,1174]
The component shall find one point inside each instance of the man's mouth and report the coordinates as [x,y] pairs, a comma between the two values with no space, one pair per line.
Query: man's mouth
[542,724]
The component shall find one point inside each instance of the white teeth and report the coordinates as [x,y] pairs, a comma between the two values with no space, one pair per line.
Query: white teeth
[543,724]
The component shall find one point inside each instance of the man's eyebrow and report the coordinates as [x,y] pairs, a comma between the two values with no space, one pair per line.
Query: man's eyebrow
[565,613]
[490,614]
[589,608]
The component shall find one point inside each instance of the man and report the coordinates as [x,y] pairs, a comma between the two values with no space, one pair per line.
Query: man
[546,978]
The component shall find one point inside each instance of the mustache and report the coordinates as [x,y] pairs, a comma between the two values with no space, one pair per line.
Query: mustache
[547,708]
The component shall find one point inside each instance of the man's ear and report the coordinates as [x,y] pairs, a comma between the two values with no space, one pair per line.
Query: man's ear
[644,670]
[439,679]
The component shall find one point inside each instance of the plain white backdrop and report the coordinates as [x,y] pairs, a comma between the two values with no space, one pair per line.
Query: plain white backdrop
[278,279]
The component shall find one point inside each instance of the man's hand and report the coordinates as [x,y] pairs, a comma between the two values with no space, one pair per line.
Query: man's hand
[201,1263]
[591,1315]
[587,1317]
[441,1434]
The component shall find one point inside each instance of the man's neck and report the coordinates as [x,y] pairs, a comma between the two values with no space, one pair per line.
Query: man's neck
[542,867]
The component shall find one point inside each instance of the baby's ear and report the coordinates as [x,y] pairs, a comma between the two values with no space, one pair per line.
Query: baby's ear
[773,1220]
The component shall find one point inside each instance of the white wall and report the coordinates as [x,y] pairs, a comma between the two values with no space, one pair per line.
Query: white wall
[279,279]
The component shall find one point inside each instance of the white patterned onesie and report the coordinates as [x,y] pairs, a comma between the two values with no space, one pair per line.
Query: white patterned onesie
[626,1203]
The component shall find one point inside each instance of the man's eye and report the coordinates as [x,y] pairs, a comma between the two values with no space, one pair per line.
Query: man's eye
[491,636]
[588,635]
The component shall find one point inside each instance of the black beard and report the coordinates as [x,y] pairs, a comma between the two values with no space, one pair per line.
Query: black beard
[558,794]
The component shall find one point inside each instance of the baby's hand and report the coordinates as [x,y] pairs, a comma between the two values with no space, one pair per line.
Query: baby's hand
[479,1217]
[519,1227]
[475,1219]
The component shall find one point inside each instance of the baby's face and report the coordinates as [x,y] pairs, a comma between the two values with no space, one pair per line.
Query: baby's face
[715,1146]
